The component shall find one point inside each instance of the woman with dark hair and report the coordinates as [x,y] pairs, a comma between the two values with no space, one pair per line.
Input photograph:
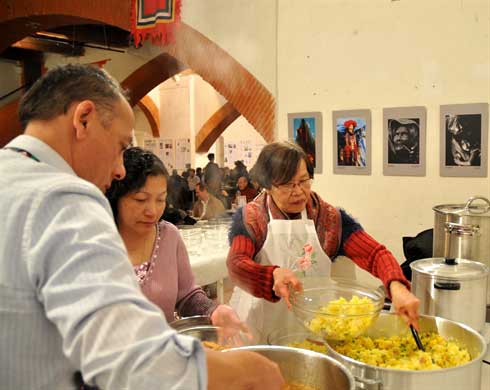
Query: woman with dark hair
[156,249]
[289,227]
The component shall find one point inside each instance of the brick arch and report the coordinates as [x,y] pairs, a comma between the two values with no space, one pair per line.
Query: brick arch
[19,18]
[150,75]
[214,127]
[242,90]
[151,112]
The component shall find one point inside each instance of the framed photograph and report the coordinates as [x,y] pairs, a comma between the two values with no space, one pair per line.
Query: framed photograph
[305,129]
[404,131]
[352,142]
[464,140]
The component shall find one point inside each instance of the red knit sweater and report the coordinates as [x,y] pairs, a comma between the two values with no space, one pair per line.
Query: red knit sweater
[354,243]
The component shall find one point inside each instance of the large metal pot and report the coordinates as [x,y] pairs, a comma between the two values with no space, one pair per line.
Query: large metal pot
[446,286]
[306,367]
[466,376]
[463,231]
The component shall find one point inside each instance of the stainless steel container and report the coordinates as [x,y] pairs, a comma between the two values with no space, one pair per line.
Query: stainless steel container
[466,376]
[306,367]
[463,231]
[201,328]
[455,289]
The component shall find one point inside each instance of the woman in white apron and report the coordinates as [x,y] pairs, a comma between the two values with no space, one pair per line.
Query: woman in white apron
[289,231]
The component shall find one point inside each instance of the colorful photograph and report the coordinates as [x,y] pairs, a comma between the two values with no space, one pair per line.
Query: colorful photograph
[305,130]
[352,141]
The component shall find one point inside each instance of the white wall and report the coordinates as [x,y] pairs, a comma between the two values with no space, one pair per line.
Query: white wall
[240,129]
[347,54]
[246,29]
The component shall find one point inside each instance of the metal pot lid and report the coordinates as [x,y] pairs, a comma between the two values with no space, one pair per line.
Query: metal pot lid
[470,208]
[453,269]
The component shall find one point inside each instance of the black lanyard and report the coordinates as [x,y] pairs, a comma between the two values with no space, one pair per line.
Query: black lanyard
[23,152]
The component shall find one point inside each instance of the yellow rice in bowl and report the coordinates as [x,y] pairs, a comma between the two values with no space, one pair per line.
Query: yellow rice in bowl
[343,319]
[399,352]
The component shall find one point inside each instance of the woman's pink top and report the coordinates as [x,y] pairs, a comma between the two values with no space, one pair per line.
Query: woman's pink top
[167,279]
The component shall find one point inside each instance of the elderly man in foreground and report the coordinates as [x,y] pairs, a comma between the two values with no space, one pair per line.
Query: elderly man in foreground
[68,298]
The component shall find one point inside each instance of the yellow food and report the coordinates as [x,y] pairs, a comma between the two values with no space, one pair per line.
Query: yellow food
[310,345]
[214,346]
[341,319]
[400,352]
[297,386]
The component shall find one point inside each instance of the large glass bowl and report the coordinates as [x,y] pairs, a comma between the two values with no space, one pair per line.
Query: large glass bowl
[339,310]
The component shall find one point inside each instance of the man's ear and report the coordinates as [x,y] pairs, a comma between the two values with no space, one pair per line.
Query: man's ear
[84,114]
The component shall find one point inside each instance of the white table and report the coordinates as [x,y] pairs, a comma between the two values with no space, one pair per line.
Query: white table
[207,255]
[210,268]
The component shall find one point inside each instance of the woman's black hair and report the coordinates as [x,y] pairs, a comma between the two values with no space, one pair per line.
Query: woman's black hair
[278,163]
[139,164]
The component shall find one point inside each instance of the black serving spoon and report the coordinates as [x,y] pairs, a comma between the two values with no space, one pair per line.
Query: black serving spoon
[416,337]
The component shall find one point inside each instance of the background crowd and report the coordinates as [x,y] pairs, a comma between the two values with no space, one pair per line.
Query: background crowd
[207,193]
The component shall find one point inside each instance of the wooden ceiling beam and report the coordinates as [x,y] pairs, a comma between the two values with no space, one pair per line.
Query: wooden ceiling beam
[50,45]
[100,34]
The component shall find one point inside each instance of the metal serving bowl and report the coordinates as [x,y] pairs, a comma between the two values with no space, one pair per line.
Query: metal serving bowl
[466,376]
[344,320]
[309,368]
[201,328]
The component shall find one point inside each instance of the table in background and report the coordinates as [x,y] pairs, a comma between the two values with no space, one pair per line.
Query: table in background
[207,246]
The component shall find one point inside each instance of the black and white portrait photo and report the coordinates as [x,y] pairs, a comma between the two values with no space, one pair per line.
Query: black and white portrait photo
[464,140]
[404,141]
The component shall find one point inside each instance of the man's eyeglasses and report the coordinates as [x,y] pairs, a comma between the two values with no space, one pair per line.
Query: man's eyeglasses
[288,188]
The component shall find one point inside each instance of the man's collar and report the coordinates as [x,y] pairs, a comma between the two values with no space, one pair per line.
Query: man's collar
[41,151]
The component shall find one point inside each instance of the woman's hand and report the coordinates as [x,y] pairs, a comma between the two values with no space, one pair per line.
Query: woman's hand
[231,326]
[283,280]
[405,303]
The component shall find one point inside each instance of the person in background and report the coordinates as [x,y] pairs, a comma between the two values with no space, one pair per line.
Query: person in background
[212,176]
[68,295]
[289,227]
[207,205]
[246,189]
[178,195]
[192,179]
[199,173]
[238,171]
[156,249]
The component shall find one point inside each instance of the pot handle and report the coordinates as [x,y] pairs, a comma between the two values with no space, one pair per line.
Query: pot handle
[472,199]
[451,286]
[461,229]
[368,384]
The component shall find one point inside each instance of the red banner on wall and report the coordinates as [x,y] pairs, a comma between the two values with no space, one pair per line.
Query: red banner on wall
[155,19]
